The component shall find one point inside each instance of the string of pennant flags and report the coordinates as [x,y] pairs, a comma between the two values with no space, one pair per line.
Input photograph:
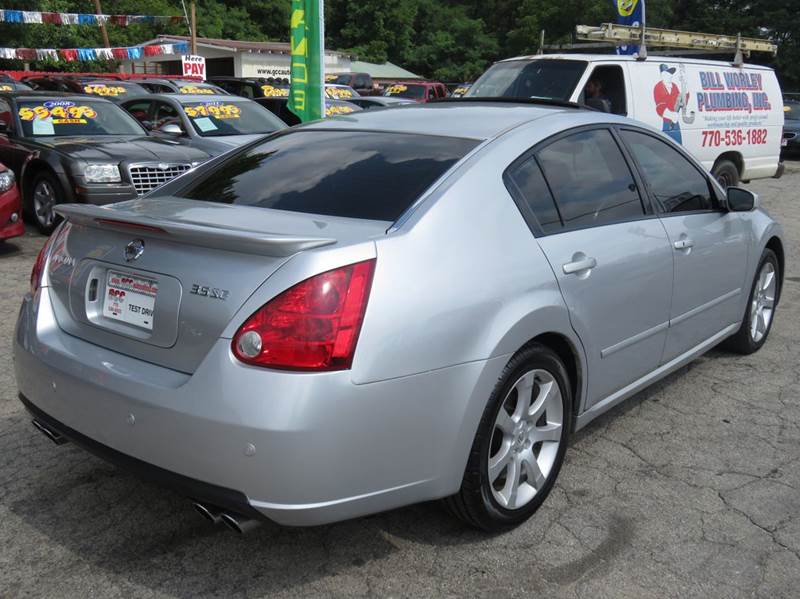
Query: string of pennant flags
[71,18]
[74,54]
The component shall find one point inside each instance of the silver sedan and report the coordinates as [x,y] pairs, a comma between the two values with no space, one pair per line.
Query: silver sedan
[390,307]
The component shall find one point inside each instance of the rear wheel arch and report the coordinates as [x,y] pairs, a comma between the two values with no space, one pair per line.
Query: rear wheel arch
[31,170]
[568,353]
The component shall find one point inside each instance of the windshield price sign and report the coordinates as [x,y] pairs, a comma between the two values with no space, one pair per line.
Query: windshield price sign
[62,113]
[194,66]
[217,110]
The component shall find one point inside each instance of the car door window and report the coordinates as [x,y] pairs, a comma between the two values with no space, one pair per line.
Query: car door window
[606,88]
[590,180]
[676,183]
[140,110]
[361,82]
[527,186]
[165,114]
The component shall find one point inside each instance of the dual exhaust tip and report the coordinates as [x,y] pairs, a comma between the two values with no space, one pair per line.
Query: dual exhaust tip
[236,522]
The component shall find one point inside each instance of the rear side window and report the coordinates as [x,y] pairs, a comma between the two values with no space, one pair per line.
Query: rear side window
[590,180]
[353,174]
[527,183]
[673,180]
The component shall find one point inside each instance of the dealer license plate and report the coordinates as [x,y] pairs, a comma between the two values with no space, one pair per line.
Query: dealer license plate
[130,299]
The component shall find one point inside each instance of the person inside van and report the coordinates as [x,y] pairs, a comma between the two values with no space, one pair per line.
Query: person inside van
[595,97]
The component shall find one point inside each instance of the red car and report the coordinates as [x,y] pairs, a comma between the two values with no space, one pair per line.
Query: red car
[10,206]
[420,91]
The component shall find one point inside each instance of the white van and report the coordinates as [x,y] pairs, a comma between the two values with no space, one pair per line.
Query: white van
[730,118]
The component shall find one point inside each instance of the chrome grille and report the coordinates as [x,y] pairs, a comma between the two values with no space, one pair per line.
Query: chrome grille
[146,177]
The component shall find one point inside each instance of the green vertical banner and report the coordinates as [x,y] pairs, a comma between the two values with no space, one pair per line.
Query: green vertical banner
[307,87]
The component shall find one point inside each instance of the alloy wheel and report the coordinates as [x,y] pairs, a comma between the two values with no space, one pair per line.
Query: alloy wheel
[762,305]
[44,200]
[526,439]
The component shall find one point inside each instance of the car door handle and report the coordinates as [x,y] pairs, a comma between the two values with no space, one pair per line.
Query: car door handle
[571,268]
[683,244]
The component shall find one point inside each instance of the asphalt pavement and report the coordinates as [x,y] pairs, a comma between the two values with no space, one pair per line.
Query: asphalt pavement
[689,489]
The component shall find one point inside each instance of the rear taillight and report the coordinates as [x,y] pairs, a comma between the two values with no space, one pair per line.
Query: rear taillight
[311,326]
[38,267]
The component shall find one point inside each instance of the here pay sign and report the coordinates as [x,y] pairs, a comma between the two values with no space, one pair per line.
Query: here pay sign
[194,66]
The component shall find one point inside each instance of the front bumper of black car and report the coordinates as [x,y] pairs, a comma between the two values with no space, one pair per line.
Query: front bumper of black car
[100,194]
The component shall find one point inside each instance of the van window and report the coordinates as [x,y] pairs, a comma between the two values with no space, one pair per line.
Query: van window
[606,84]
[673,180]
[353,174]
[590,180]
[541,78]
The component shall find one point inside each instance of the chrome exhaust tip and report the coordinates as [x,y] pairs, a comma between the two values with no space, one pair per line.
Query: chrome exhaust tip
[54,436]
[208,512]
[237,523]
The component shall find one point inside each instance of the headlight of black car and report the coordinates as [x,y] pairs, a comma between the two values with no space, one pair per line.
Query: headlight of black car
[102,173]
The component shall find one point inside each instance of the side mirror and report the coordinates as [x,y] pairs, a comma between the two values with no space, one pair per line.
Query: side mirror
[741,200]
[171,129]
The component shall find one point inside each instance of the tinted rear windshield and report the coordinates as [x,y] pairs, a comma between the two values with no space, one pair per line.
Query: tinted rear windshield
[353,174]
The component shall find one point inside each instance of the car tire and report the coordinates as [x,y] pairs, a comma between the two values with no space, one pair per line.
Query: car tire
[41,197]
[488,499]
[761,304]
[726,174]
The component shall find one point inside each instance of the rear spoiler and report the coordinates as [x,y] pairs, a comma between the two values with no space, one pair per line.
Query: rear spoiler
[216,236]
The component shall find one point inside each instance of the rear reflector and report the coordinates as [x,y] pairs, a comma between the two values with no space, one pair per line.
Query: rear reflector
[311,326]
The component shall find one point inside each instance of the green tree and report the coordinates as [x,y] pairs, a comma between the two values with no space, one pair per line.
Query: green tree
[450,45]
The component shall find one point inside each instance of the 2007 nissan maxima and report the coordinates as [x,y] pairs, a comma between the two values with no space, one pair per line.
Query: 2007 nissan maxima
[389,307]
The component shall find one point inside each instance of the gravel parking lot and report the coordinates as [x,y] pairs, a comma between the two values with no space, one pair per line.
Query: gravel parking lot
[689,489]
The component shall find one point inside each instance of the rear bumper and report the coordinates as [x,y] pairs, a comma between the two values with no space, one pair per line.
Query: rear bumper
[301,449]
[201,491]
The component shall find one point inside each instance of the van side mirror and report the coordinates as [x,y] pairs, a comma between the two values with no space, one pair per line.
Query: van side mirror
[741,200]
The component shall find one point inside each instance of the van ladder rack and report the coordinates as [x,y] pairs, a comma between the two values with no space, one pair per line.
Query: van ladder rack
[644,36]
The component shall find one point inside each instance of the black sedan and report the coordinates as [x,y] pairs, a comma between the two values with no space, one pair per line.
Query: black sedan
[279,106]
[213,123]
[791,128]
[71,148]
[179,86]
[113,89]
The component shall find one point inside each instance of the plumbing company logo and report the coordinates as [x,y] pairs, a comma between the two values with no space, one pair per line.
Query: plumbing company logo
[672,101]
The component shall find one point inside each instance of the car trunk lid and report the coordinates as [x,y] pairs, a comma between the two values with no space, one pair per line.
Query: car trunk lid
[160,279]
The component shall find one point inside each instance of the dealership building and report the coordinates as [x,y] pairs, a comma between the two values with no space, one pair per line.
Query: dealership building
[252,59]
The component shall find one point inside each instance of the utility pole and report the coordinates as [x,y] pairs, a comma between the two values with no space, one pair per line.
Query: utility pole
[98,10]
[193,27]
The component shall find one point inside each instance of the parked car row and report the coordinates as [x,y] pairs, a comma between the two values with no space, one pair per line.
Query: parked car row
[117,90]
[102,141]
